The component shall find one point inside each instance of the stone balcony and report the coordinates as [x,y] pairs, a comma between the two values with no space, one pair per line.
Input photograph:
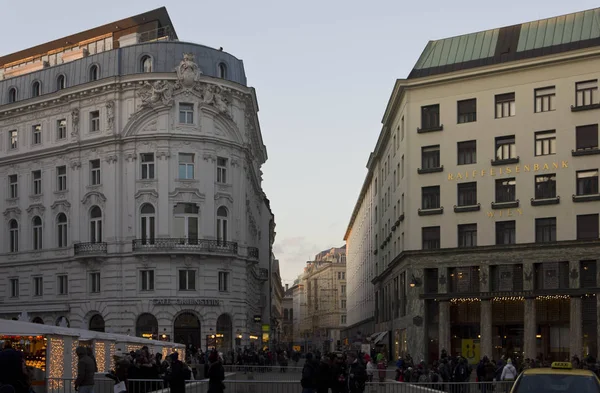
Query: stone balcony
[184,245]
[90,249]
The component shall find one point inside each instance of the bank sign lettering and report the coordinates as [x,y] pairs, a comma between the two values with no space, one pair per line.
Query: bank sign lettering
[187,302]
[508,170]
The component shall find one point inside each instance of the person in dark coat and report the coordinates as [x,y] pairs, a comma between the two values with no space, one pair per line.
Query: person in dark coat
[179,374]
[324,375]
[13,374]
[357,374]
[309,375]
[216,374]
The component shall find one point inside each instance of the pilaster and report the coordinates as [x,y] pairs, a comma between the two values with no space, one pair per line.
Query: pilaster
[529,338]
[576,331]
[486,328]
[444,327]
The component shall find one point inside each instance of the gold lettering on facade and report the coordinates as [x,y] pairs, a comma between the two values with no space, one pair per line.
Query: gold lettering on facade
[565,164]
[490,214]
[520,212]
[502,213]
[526,168]
[518,169]
[546,167]
[492,173]
[508,170]
[450,176]
[459,176]
[474,173]
[555,165]
[499,171]
[536,167]
[509,213]
[482,172]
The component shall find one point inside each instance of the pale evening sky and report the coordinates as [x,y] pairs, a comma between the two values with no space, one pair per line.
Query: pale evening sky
[323,71]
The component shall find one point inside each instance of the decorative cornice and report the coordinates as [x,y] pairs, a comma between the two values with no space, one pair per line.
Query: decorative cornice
[93,194]
[111,159]
[193,194]
[64,203]
[151,193]
[221,195]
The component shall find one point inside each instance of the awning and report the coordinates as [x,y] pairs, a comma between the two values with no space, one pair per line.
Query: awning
[380,337]
[373,336]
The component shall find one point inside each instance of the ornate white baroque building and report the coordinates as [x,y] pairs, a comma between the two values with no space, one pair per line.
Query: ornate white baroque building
[133,200]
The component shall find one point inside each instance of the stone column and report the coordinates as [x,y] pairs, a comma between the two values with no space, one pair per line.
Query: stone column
[486,329]
[530,328]
[576,331]
[444,326]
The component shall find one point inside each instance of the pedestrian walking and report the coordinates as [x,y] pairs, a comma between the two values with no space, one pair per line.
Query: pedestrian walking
[86,369]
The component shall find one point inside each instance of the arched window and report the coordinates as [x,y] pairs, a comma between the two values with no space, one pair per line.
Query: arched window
[97,323]
[61,229]
[61,82]
[146,64]
[36,89]
[96,225]
[12,95]
[13,227]
[38,320]
[37,233]
[223,70]
[148,220]
[94,73]
[186,222]
[224,339]
[222,224]
[147,326]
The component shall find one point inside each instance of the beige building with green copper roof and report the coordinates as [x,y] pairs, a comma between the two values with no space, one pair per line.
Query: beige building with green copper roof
[477,227]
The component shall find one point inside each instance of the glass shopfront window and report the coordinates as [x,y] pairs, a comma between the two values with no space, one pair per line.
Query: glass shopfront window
[507,327]
[465,317]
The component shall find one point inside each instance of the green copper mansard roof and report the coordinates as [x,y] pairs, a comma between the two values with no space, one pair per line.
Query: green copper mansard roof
[533,39]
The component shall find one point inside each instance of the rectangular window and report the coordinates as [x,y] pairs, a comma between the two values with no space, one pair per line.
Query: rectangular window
[587,137]
[431,238]
[95,172]
[61,129]
[147,160]
[38,286]
[14,287]
[586,93]
[587,278]
[545,230]
[587,182]
[36,187]
[545,186]
[223,281]
[467,152]
[343,305]
[430,116]
[221,170]
[467,194]
[505,147]
[343,290]
[430,157]
[587,227]
[147,280]
[467,111]
[95,121]
[186,113]
[13,139]
[402,129]
[505,105]
[61,178]
[13,186]
[467,235]
[506,190]
[63,284]
[402,166]
[186,166]
[187,280]
[545,143]
[505,232]
[545,99]
[343,319]
[430,197]
[36,134]
[95,282]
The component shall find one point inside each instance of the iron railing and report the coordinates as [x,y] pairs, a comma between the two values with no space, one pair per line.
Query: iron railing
[184,245]
[263,273]
[161,33]
[90,248]
[253,252]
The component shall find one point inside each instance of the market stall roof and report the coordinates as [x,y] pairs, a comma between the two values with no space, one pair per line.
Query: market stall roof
[19,328]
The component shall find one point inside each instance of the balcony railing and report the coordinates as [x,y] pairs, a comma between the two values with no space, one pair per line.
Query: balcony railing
[89,248]
[263,273]
[184,245]
[252,252]
[162,33]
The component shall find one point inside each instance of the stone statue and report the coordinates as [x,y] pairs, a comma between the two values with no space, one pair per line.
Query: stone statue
[110,114]
[75,122]
[156,92]
[213,95]
[188,71]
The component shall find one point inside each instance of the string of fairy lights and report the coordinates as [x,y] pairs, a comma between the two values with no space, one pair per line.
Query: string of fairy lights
[100,352]
[515,298]
[56,355]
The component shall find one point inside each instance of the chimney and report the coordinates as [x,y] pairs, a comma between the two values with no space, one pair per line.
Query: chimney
[287,286]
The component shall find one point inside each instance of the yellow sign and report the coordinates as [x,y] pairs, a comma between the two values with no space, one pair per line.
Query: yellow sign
[297,348]
[562,365]
[470,350]
[508,170]
[504,213]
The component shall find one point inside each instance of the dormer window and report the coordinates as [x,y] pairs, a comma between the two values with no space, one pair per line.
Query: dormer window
[12,95]
[61,82]
[36,89]
[222,70]
[94,73]
[146,64]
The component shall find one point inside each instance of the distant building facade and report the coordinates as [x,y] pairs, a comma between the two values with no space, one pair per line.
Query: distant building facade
[134,200]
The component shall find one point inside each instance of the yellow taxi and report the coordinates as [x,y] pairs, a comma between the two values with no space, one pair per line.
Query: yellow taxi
[559,378]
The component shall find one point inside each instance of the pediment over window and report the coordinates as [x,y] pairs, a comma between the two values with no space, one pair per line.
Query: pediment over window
[94,198]
[61,206]
[12,213]
[220,196]
[186,195]
[36,210]
[146,196]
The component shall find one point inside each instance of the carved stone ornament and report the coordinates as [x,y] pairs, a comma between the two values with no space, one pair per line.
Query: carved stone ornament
[93,198]
[188,72]
[155,93]
[163,154]
[574,274]
[442,280]
[111,159]
[75,122]
[12,213]
[483,278]
[528,275]
[75,164]
[110,114]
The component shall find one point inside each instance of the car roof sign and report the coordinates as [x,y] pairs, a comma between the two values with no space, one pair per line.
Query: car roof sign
[562,365]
